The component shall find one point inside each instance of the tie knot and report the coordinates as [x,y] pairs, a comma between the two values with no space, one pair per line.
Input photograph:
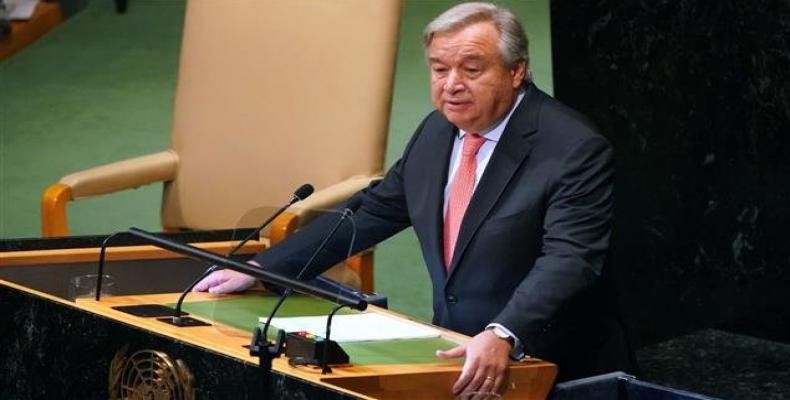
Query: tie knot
[472,143]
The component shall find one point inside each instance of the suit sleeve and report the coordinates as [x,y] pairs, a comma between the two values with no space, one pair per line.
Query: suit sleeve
[577,228]
[382,214]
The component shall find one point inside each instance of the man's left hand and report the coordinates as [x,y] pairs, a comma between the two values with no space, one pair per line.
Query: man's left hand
[485,366]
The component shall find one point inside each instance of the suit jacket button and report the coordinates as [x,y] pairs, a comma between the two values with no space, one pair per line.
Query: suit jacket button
[451,299]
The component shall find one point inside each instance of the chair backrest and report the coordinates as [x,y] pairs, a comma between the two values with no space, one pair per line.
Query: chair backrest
[273,94]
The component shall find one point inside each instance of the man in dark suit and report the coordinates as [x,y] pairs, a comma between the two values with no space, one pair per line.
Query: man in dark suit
[510,195]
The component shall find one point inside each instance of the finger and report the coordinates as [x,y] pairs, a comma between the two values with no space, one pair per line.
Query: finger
[227,286]
[484,391]
[493,380]
[213,279]
[201,286]
[455,352]
[498,383]
[233,284]
[489,382]
[467,373]
[479,381]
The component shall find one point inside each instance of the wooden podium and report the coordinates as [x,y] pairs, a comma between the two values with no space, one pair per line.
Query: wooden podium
[54,347]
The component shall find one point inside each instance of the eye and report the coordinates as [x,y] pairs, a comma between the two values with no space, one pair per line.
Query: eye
[439,69]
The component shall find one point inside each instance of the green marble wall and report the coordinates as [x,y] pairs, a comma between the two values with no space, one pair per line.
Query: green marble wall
[695,97]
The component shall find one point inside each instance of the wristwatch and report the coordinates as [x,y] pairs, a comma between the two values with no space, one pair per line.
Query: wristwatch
[517,352]
[502,334]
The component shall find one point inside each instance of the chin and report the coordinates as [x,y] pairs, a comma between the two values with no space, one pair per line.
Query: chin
[459,123]
[457,119]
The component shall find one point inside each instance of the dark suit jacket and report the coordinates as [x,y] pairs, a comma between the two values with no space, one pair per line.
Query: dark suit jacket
[532,245]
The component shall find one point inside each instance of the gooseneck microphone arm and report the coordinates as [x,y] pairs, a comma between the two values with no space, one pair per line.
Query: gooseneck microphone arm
[102,254]
[300,194]
[260,346]
[324,354]
[350,209]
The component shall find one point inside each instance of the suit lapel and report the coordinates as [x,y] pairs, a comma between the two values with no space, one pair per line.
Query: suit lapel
[436,173]
[513,148]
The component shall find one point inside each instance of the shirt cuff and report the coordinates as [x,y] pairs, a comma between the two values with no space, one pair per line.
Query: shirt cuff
[518,347]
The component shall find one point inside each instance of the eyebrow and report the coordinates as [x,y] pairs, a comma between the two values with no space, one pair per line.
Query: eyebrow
[464,58]
[472,57]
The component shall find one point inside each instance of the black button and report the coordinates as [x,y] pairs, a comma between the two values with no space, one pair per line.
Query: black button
[451,299]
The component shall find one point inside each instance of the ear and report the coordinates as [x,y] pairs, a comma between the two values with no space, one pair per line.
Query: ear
[518,73]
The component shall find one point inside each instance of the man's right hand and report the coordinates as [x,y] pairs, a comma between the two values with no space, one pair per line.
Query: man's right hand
[225,281]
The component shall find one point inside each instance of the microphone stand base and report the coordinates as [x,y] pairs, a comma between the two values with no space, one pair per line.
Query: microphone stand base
[148,310]
[266,352]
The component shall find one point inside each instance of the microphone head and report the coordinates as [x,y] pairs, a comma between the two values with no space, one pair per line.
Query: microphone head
[353,204]
[303,192]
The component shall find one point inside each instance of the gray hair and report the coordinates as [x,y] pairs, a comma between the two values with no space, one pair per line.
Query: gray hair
[513,42]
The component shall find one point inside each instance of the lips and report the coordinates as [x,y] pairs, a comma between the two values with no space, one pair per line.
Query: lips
[456,104]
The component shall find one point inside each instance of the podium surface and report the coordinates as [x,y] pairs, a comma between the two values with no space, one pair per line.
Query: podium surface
[53,345]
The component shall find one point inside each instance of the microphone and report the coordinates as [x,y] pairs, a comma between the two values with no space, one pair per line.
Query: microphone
[351,207]
[300,194]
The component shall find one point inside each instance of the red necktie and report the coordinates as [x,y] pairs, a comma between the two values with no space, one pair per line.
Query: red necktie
[460,193]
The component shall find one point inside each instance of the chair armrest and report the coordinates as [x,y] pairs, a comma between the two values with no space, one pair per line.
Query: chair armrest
[105,179]
[305,210]
[329,197]
[121,175]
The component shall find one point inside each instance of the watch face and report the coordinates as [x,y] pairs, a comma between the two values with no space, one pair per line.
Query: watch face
[500,333]
[518,348]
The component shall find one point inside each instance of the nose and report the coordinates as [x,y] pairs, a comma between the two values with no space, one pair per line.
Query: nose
[454,83]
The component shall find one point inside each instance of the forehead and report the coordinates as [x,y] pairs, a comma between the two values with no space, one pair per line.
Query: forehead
[479,40]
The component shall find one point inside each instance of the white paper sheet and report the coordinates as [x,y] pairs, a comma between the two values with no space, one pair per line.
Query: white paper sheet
[357,327]
[21,9]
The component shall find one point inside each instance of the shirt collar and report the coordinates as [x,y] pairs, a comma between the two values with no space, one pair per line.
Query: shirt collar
[495,131]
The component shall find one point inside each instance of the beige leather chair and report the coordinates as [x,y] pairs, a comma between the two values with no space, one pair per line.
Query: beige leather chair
[270,95]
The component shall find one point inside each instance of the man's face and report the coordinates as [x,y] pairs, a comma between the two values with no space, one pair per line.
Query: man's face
[470,83]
